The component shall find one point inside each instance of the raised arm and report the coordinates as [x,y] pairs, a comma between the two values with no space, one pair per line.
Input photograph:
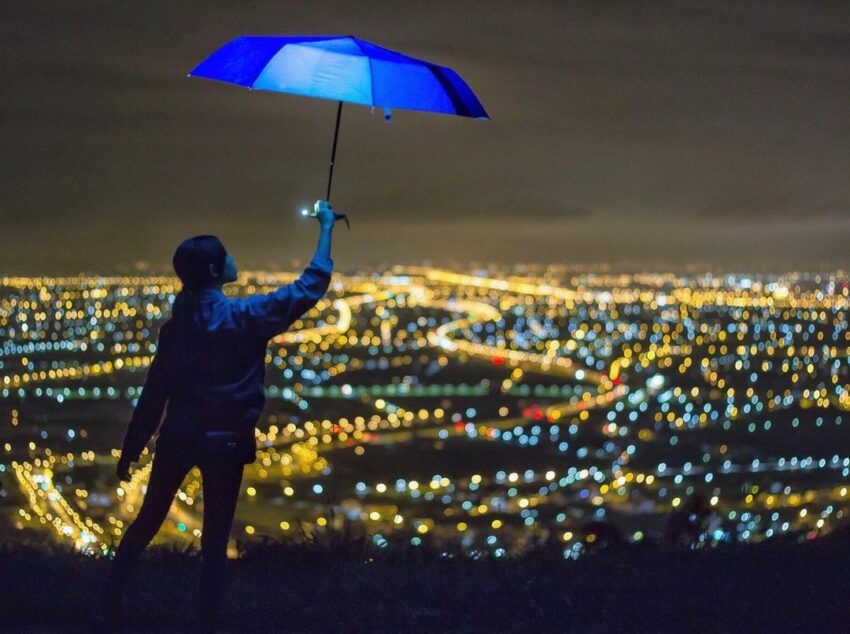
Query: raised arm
[274,312]
[326,218]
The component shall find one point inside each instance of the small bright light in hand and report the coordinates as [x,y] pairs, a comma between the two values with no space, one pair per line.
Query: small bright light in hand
[305,212]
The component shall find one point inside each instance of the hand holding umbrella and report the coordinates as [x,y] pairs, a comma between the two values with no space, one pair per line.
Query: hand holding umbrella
[325,215]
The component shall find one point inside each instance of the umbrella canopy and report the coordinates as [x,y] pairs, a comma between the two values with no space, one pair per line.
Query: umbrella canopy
[342,68]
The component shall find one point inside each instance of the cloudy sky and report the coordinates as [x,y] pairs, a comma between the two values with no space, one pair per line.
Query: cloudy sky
[661,134]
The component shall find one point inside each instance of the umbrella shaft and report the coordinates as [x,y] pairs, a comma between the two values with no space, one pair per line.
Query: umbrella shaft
[333,152]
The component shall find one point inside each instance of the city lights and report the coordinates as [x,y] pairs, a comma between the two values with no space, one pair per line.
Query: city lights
[483,409]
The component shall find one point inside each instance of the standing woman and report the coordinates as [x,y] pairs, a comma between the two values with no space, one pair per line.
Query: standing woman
[209,370]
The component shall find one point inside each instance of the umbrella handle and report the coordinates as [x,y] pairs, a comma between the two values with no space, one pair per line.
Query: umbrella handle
[342,217]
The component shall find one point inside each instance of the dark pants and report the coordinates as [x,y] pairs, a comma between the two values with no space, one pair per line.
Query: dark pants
[222,478]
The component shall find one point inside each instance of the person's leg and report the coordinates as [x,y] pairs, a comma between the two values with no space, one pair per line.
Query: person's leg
[222,479]
[167,473]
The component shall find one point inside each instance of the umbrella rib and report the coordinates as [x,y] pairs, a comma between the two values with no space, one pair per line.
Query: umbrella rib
[457,102]
[371,80]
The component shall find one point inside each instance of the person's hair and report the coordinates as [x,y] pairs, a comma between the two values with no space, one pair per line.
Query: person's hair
[192,261]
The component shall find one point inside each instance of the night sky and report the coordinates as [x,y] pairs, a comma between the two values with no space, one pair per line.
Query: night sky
[656,134]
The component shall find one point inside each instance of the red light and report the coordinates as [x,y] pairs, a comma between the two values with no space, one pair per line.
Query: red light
[497,361]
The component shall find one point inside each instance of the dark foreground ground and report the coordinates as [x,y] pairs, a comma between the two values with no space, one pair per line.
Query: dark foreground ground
[770,587]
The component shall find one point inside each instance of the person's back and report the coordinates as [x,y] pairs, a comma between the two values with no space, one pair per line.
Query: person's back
[207,375]
[210,359]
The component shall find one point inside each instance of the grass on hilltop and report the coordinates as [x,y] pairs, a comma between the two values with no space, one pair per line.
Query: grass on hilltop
[347,585]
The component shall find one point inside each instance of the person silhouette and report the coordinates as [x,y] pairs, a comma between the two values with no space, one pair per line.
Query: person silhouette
[207,374]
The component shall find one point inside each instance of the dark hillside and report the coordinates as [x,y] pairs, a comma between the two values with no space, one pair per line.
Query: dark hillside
[770,587]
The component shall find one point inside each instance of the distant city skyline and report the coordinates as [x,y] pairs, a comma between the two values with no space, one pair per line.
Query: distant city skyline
[653,134]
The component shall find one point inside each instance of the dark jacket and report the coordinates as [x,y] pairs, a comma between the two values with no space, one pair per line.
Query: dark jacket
[209,366]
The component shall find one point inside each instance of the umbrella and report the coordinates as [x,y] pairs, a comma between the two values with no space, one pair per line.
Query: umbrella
[344,69]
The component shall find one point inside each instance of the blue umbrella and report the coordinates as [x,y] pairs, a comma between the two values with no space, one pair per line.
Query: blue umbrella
[342,68]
